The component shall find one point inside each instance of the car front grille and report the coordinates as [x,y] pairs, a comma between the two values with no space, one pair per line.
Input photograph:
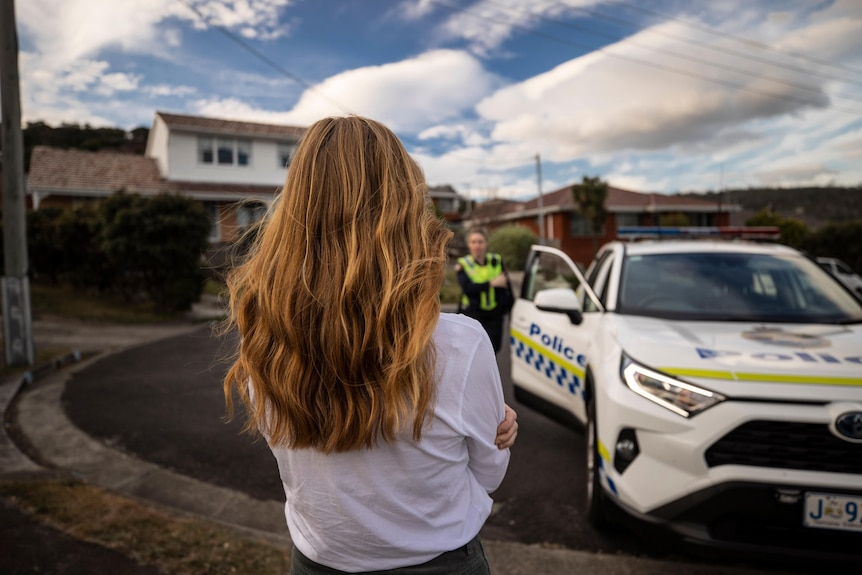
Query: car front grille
[786,445]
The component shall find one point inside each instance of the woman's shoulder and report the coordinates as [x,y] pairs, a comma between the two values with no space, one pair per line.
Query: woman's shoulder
[453,324]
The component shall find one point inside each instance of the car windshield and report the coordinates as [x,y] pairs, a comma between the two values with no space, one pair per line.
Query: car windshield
[734,287]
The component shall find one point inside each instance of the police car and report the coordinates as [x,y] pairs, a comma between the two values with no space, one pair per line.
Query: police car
[718,382]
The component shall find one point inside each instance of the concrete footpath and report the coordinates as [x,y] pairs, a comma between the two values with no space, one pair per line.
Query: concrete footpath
[42,419]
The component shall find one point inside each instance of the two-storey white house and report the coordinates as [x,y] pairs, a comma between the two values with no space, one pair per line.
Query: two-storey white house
[235,168]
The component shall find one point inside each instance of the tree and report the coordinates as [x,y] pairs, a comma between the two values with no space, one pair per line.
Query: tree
[590,195]
[513,244]
[840,240]
[156,244]
[794,233]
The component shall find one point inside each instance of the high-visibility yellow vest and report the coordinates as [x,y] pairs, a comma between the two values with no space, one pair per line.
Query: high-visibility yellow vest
[481,274]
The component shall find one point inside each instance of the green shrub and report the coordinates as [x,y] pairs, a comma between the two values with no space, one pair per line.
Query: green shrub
[155,246]
[513,243]
[842,241]
[144,249]
[794,232]
[84,265]
[45,247]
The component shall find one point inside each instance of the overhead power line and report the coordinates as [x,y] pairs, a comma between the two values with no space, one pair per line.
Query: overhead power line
[263,57]
[694,59]
[724,50]
[277,67]
[656,65]
[750,42]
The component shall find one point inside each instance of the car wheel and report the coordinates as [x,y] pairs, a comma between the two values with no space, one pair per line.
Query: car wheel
[597,504]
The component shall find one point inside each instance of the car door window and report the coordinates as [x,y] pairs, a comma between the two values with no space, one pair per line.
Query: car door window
[593,271]
[549,271]
[600,282]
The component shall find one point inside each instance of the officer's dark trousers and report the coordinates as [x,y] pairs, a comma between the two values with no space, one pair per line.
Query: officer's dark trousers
[494,327]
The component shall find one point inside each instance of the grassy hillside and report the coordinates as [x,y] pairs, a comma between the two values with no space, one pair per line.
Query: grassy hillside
[814,206]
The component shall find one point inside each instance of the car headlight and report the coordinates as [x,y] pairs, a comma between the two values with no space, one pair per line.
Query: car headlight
[681,398]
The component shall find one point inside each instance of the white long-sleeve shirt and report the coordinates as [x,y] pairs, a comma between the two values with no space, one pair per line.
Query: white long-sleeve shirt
[404,503]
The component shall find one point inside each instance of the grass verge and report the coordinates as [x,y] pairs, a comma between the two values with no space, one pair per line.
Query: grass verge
[65,302]
[450,291]
[174,545]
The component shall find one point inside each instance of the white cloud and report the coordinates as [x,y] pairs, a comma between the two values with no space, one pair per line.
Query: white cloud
[252,18]
[66,30]
[73,29]
[168,90]
[626,98]
[458,131]
[833,34]
[399,94]
[487,24]
[64,65]
[119,82]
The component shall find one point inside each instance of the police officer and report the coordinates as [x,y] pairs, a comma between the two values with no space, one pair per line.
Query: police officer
[487,293]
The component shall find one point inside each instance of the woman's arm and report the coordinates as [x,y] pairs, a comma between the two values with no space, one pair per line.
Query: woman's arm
[507,431]
[482,410]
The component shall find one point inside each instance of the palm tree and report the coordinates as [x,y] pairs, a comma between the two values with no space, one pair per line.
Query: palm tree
[590,195]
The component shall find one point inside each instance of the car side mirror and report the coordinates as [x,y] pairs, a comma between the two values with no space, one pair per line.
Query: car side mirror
[560,300]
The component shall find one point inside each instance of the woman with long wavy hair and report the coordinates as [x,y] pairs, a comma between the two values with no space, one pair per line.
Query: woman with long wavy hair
[383,414]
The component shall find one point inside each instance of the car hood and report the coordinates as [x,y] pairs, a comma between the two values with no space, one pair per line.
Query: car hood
[750,358]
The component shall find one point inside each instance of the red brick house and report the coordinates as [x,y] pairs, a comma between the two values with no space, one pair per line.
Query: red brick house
[567,230]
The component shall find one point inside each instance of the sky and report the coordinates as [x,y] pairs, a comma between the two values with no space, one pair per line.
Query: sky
[497,98]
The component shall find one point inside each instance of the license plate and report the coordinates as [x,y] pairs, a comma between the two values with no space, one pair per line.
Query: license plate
[831,511]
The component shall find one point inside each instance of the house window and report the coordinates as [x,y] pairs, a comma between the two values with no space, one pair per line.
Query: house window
[243,152]
[285,153]
[624,220]
[224,151]
[249,213]
[205,150]
[581,226]
[700,219]
[447,205]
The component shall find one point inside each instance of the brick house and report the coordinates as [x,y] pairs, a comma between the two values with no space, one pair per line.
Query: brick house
[567,230]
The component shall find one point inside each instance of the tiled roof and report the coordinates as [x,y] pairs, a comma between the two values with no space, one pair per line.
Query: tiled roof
[623,200]
[618,200]
[58,169]
[76,172]
[200,124]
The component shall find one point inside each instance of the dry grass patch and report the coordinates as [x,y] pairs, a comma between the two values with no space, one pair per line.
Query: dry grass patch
[175,545]
[65,302]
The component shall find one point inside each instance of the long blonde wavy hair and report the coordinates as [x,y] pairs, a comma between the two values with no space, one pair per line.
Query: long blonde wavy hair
[337,301]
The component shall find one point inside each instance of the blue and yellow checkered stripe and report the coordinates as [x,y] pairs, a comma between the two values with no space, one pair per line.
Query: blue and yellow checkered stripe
[551,365]
[565,374]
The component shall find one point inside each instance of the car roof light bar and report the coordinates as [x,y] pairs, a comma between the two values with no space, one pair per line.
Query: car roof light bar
[704,232]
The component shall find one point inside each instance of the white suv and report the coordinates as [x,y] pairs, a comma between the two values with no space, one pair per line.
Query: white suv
[842,273]
[719,384]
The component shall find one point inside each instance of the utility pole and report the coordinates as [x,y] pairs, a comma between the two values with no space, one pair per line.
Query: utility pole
[541,200]
[15,286]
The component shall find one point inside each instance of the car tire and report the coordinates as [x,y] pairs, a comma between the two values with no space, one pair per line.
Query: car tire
[597,504]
